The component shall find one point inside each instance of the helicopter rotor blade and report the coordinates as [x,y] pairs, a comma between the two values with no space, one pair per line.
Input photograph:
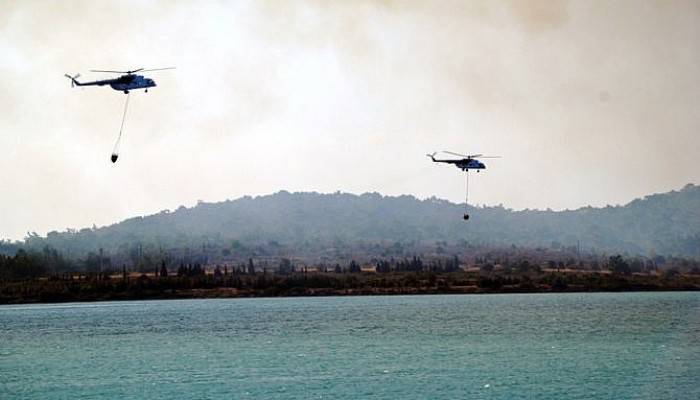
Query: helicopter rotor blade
[155,69]
[469,155]
[117,72]
[455,154]
[130,72]
[112,72]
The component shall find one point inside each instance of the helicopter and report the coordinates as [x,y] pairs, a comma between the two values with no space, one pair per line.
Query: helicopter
[465,163]
[126,82]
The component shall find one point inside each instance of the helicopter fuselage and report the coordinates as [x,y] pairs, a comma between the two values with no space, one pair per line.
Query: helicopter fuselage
[469,163]
[463,164]
[130,82]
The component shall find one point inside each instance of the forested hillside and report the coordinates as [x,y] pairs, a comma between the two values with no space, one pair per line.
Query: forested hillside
[303,223]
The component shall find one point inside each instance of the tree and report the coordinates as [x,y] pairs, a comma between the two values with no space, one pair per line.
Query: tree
[486,268]
[523,266]
[383,267]
[354,267]
[285,266]
[618,265]
[251,267]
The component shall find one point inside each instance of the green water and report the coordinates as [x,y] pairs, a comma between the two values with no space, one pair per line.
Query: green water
[542,346]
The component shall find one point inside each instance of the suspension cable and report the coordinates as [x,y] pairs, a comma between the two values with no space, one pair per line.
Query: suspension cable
[115,151]
[466,197]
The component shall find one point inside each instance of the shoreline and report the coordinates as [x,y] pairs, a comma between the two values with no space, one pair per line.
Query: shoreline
[87,291]
[175,298]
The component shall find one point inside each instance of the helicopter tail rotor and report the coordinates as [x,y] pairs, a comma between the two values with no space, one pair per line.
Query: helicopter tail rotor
[73,81]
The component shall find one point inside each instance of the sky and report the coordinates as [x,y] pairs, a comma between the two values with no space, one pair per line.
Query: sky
[587,102]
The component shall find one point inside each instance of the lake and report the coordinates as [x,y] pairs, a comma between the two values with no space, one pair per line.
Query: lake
[543,346]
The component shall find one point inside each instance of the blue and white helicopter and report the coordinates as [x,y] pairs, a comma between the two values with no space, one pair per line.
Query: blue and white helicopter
[465,163]
[126,82]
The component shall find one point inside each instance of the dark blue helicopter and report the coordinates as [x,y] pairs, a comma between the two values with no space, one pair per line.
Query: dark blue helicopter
[465,163]
[126,82]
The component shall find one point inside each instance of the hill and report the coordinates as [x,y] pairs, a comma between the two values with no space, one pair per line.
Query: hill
[304,223]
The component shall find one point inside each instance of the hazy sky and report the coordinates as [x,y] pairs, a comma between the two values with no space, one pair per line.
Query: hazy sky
[588,102]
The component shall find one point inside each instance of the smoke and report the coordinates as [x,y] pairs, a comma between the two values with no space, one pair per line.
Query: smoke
[588,102]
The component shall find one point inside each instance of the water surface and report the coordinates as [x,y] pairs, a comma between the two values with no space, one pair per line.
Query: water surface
[545,346]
